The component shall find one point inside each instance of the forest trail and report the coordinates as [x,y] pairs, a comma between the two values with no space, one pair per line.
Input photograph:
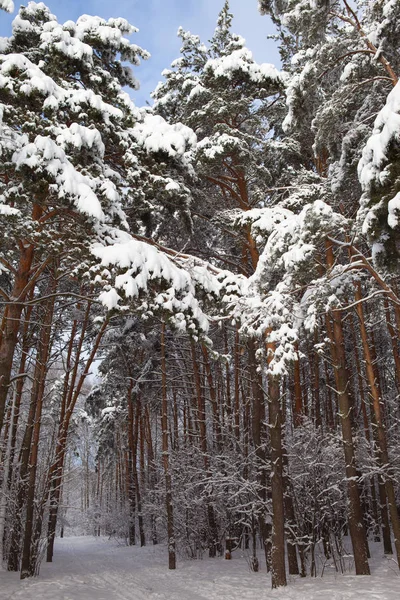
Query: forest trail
[87,568]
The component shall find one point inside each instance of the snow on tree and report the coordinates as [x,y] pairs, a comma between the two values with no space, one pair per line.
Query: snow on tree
[275,382]
[81,165]
[224,96]
[55,131]
[75,149]
[7,5]
[378,172]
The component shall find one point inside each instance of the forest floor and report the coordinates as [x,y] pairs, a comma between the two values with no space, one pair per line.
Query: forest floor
[88,568]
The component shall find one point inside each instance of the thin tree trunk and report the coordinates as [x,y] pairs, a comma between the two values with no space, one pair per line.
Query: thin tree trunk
[73,392]
[135,474]
[23,283]
[152,473]
[298,407]
[394,336]
[228,403]
[237,393]
[5,484]
[376,398]
[23,483]
[258,435]
[201,417]
[132,459]
[214,401]
[43,353]
[165,449]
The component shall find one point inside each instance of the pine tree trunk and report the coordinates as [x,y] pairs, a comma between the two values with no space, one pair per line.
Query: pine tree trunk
[258,434]
[298,408]
[316,384]
[5,483]
[132,459]
[214,401]
[152,473]
[70,397]
[290,515]
[43,353]
[382,493]
[22,487]
[228,403]
[165,449]
[394,336]
[13,427]
[278,571]
[23,285]
[135,475]
[12,324]
[355,517]
[237,389]
[376,397]
[291,527]
[387,541]
[201,418]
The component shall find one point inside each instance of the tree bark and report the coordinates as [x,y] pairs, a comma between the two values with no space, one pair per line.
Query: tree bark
[72,391]
[43,353]
[23,284]
[278,571]
[355,516]
[259,441]
[213,542]
[165,450]
[376,401]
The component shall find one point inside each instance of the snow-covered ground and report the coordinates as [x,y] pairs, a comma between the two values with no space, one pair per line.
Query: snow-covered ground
[87,568]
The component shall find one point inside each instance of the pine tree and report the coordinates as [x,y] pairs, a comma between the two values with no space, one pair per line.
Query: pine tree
[228,104]
[7,5]
[224,96]
[79,161]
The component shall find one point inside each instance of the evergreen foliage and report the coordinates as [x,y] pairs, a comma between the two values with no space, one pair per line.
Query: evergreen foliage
[200,310]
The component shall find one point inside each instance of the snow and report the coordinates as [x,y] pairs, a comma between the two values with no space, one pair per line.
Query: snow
[241,60]
[142,264]
[386,128]
[7,5]
[81,137]
[8,211]
[389,8]
[38,81]
[372,168]
[66,44]
[69,39]
[32,80]
[291,95]
[87,568]
[263,219]
[108,410]
[197,91]
[3,44]
[267,305]
[156,135]
[45,153]
[139,257]
[348,71]
[110,299]
[218,144]
[393,211]
[172,185]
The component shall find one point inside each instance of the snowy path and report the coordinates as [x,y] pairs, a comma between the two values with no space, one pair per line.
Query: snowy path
[88,568]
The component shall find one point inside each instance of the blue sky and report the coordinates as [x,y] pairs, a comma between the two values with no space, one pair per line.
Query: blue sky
[158,21]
